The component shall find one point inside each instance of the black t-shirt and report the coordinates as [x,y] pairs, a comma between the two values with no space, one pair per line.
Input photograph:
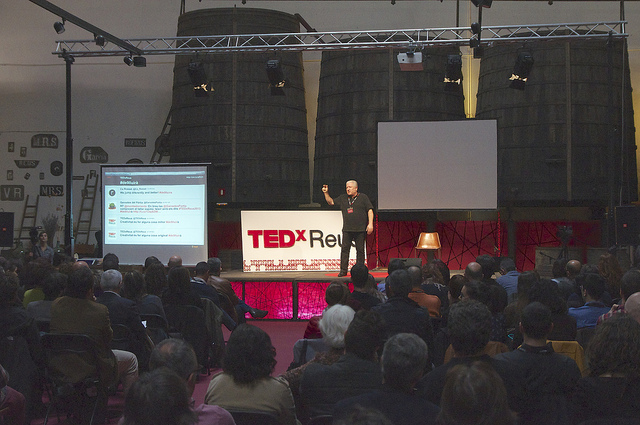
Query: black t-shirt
[354,214]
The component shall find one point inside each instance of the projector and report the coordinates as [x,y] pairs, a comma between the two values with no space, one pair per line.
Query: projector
[411,61]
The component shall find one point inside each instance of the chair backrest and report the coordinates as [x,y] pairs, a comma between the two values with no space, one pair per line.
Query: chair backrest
[584,335]
[70,358]
[156,326]
[122,337]
[571,349]
[321,420]
[254,417]
[190,321]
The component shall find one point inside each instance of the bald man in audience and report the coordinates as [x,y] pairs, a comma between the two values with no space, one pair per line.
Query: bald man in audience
[633,306]
[473,271]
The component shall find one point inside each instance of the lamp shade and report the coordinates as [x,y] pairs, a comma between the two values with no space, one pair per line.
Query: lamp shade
[428,241]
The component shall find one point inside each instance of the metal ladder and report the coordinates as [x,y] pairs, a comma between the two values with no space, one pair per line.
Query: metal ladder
[28,220]
[83,226]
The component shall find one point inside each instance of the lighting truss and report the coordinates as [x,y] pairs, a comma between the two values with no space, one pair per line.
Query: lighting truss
[344,40]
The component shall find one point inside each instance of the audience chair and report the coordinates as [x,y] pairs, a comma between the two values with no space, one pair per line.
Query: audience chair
[156,326]
[584,335]
[122,337]
[573,350]
[190,322]
[213,318]
[321,420]
[254,417]
[76,396]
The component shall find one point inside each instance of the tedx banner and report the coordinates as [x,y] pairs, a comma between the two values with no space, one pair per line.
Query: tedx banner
[292,241]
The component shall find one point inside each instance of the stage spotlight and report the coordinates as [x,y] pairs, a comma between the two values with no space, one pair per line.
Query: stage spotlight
[521,70]
[453,73]
[482,3]
[276,77]
[59,26]
[99,39]
[199,80]
[140,61]
[410,61]
[128,60]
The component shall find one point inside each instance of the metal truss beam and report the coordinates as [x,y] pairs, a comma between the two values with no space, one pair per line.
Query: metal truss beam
[344,40]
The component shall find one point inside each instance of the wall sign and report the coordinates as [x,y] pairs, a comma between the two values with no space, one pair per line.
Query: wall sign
[12,192]
[135,143]
[45,141]
[51,190]
[93,154]
[26,163]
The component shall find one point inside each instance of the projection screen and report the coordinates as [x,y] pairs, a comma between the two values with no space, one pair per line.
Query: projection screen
[158,210]
[439,165]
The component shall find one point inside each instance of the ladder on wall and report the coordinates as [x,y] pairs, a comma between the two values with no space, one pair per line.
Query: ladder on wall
[163,144]
[83,225]
[28,220]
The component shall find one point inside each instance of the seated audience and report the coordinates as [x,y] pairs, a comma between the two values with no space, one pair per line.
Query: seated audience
[178,356]
[547,293]
[76,312]
[394,264]
[487,294]
[123,311]
[632,306]
[593,286]
[32,277]
[336,293]
[433,284]
[474,394]
[509,278]
[548,378]
[179,290]
[223,286]
[363,416]
[612,388]
[559,273]
[404,359]
[174,261]
[430,302]
[245,382]
[134,289]
[629,285]
[609,268]
[52,287]
[359,277]
[159,397]
[357,371]
[469,330]
[155,279]
[12,403]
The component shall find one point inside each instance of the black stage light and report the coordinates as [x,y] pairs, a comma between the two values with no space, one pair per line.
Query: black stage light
[99,39]
[453,73]
[521,70]
[128,60]
[482,3]
[199,80]
[276,77]
[140,61]
[59,26]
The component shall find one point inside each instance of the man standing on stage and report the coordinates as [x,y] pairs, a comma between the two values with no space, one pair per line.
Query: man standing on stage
[357,221]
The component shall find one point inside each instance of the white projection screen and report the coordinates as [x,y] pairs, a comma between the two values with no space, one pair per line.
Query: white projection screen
[437,165]
[158,210]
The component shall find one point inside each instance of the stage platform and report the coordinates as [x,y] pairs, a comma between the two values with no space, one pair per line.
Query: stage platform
[289,295]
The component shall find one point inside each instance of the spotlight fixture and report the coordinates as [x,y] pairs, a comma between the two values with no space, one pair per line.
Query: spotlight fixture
[482,3]
[276,77]
[453,73]
[521,70]
[59,26]
[140,61]
[199,80]
[410,61]
[128,60]
[99,39]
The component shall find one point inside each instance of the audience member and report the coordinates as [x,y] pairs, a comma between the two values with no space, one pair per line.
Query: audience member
[433,284]
[134,289]
[547,293]
[150,261]
[632,306]
[473,271]
[110,262]
[592,289]
[474,394]
[548,378]
[155,279]
[32,277]
[158,397]
[612,388]
[78,313]
[336,293]
[609,268]
[359,277]
[629,285]
[12,402]
[404,360]
[394,264]
[509,278]
[179,290]
[357,371]
[444,270]
[245,382]
[52,287]
[174,261]
[42,249]
[430,302]
[178,356]
[223,286]
[400,313]
[559,272]
[124,312]
[469,330]
[486,293]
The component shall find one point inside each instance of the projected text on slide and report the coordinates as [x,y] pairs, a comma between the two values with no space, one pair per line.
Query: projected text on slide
[155,214]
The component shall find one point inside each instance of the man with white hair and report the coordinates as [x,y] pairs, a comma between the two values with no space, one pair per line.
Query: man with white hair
[357,221]
[124,312]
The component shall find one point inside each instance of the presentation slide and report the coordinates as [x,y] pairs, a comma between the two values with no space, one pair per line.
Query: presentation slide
[156,210]
[437,165]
